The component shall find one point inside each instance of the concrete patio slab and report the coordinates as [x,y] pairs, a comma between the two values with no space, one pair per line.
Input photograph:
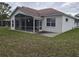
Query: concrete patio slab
[49,34]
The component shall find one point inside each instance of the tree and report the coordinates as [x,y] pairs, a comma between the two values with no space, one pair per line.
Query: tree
[4,11]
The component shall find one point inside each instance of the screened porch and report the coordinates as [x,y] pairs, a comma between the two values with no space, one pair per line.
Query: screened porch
[27,23]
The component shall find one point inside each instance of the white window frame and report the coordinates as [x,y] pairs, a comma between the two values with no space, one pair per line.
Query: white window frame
[50,22]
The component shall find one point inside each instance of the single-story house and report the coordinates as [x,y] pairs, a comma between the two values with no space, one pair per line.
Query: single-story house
[5,22]
[51,20]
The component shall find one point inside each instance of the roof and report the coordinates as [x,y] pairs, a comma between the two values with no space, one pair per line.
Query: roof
[42,12]
[27,10]
[49,11]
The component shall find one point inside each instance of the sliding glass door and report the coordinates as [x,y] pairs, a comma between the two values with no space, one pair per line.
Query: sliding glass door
[38,25]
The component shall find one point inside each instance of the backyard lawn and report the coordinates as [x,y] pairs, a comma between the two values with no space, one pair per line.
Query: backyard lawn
[13,43]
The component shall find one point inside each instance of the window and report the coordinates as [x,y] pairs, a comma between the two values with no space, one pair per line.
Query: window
[51,22]
[66,19]
[12,23]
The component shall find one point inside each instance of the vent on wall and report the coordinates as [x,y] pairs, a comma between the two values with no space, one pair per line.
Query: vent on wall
[66,19]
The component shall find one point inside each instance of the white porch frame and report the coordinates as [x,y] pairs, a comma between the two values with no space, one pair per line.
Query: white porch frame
[34,25]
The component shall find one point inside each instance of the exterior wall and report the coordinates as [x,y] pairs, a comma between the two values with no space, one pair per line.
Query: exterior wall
[57,28]
[13,18]
[61,24]
[70,24]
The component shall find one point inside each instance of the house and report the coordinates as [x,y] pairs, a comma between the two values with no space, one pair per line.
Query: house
[51,20]
[5,22]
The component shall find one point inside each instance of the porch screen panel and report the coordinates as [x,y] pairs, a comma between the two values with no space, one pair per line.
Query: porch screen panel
[29,23]
[22,24]
[17,24]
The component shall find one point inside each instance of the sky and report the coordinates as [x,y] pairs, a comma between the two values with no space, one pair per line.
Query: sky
[66,7]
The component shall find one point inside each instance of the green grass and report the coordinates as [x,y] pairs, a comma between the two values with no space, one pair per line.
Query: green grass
[13,43]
